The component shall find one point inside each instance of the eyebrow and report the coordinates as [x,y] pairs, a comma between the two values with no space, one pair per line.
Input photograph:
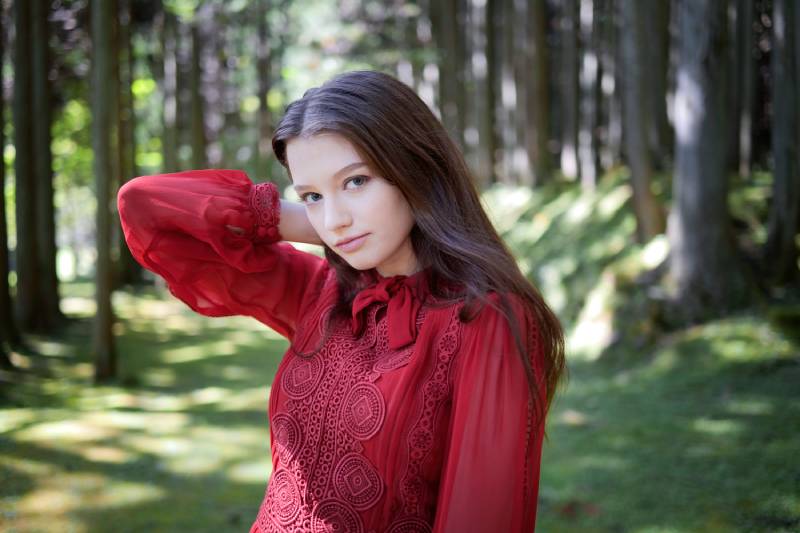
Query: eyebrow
[351,166]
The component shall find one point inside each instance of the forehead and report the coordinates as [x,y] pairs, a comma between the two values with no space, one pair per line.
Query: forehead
[314,160]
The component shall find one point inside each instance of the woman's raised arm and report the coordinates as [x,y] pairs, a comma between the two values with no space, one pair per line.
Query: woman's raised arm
[214,236]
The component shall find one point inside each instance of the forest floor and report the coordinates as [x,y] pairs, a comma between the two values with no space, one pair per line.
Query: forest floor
[693,429]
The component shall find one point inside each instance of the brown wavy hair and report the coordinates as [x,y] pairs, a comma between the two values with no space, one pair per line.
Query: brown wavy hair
[403,141]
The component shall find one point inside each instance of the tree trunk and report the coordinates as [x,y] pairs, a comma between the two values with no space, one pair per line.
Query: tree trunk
[703,259]
[449,41]
[747,82]
[610,147]
[638,117]
[569,90]
[27,263]
[655,21]
[263,58]
[169,40]
[784,221]
[533,88]
[488,130]
[197,127]
[587,151]
[130,272]
[8,329]
[103,338]
[50,315]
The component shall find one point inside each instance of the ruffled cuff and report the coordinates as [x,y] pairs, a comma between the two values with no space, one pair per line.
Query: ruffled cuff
[266,205]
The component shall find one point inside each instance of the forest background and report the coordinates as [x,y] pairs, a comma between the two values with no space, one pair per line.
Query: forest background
[641,158]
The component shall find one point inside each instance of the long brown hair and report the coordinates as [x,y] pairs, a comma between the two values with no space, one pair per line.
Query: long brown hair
[404,142]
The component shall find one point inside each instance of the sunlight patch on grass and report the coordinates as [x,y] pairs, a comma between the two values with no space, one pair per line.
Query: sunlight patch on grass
[751,407]
[594,329]
[717,427]
[64,431]
[250,471]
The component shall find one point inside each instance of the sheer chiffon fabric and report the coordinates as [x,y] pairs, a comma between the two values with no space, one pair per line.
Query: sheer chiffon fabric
[402,419]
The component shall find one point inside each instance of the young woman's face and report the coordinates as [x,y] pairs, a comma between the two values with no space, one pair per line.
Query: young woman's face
[345,199]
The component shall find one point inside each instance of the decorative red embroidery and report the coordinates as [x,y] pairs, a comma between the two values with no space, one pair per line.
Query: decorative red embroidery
[333,406]
[334,516]
[266,205]
[420,439]
[364,411]
[287,435]
[302,376]
[283,497]
[357,482]
[409,525]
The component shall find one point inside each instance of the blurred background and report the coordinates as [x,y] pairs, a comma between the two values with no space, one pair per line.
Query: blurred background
[641,159]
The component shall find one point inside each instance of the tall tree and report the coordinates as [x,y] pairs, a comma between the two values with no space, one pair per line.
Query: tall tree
[48,304]
[587,119]
[264,118]
[169,89]
[447,31]
[784,221]
[8,330]
[569,89]
[655,24]
[103,338]
[638,116]
[533,85]
[704,263]
[197,109]
[746,81]
[27,264]
[129,271]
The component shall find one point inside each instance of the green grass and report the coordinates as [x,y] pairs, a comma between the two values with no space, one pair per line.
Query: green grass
[692,430]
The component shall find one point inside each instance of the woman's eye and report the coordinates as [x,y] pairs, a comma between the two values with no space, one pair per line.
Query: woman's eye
[307,198]
[358,180]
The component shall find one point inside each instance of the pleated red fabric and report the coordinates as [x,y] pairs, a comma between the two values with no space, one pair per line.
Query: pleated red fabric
[401,419]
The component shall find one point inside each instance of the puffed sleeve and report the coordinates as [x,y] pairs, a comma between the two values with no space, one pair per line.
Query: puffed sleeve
[176,226]
[490,477]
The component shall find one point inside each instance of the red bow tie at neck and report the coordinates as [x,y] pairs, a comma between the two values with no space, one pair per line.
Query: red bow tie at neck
[404,304]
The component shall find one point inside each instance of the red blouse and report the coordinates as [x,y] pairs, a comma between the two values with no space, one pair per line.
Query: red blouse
[405,420]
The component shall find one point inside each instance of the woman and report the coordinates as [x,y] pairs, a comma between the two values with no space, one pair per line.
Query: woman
[421,363]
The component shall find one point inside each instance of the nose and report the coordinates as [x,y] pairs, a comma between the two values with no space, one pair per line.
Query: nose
[336,215]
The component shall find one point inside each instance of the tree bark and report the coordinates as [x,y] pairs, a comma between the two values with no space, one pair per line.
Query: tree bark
[197,114]
[103,338]
[169,45]
[569,90]
[655,22]
[129,271]
[263,57]
[26,254]
[8,330]
[587,121]
[638,118]
[704,263]
[781,248]
[535,91]
[747,82]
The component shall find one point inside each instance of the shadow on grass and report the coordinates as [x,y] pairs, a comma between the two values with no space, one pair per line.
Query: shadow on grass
[695,437]
[179,441]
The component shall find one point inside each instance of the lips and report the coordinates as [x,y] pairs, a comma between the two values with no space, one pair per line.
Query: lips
[351,239]
[351,245]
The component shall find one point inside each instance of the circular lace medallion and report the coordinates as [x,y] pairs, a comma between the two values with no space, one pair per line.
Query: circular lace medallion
[287,435]
[283,498]
[409,525]
[363,411]
[302,376]
[357,482]
[335,516]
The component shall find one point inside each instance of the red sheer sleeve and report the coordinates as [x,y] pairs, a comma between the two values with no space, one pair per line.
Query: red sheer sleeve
[175,225]
[490,477]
